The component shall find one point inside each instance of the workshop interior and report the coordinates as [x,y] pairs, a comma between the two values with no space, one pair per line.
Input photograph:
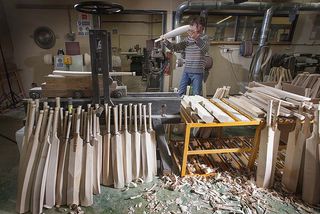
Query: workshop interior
[172,106]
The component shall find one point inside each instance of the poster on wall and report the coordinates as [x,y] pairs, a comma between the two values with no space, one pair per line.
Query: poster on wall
[84,24]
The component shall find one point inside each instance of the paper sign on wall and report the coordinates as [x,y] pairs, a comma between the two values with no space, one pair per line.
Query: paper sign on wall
[84,24]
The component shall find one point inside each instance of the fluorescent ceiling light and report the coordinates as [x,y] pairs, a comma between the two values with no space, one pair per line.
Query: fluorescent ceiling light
[222,20]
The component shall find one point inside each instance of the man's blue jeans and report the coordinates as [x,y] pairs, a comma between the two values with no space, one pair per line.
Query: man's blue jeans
[196,82]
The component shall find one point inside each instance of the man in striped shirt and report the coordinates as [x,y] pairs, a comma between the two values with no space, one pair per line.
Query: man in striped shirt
[195,46]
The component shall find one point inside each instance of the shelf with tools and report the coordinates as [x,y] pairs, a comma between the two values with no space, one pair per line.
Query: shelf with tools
[216,148]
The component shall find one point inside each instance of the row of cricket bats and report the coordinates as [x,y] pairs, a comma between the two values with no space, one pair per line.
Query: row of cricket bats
[65,156]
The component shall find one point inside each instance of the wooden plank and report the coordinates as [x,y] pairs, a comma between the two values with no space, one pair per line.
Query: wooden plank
[231,110]
[199,109]
[248,106]
[268,97]
[212,109]
[284,94]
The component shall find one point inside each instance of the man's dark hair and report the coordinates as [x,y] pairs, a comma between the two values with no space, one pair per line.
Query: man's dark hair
[198,21]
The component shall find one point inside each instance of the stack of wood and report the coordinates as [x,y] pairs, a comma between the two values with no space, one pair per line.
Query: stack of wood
[65,158]
[275,103]
[222,92]
[305,84]
[208,111]
[275,106]
[277,73]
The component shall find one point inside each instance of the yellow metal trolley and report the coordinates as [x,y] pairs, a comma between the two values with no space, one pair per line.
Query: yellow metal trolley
[190,123]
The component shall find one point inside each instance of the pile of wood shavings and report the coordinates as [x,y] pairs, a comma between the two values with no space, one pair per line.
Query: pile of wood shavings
[232,193]
[223,193]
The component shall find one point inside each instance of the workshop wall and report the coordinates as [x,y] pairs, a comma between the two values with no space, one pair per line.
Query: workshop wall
[28,56]
[22,22]
[129,30]
[229,68]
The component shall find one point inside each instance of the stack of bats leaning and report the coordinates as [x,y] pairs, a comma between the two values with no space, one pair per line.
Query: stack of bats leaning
[65,157]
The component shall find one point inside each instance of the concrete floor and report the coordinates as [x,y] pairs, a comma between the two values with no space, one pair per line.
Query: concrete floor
[110,200]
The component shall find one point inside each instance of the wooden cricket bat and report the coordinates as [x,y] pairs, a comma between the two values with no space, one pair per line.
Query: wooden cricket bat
[86,194]
[25,173]
[147,159]
[99,138]
[41,171]
[136,147]
[176,32]
[96,155]
[75,163]
[107,175]
[117,156]
[153,140]
[311,175]
[27,128]
[27,134]
[264,169]
[61,195]
[126,140]
[50,193]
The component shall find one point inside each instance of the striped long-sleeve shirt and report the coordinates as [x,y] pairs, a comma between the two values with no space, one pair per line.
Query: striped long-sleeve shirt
[195,51]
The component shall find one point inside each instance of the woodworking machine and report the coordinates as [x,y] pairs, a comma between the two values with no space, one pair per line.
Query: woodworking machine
[165,105]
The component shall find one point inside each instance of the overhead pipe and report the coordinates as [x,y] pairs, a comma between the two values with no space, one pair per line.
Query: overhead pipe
[262,42]
[260,6]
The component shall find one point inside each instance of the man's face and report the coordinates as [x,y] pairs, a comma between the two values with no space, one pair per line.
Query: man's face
[197,28]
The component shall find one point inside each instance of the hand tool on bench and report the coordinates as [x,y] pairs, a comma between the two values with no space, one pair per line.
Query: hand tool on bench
[75,163]
[117,155]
